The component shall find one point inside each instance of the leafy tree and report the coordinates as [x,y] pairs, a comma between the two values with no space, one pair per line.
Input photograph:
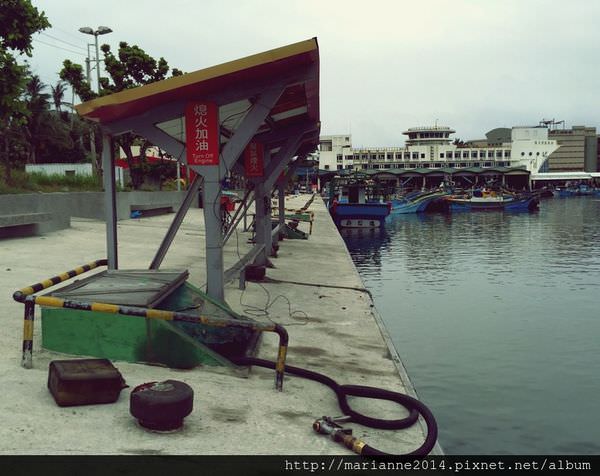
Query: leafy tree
[131,67]
[19,20]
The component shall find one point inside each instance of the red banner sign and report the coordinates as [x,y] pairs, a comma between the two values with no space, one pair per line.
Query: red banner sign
[202,133]
[254,161]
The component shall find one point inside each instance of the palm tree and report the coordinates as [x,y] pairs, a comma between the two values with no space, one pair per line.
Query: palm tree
[42,126]
[58,94]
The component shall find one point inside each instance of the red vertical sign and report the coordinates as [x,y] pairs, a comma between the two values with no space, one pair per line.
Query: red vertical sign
[202,133]
[254,162]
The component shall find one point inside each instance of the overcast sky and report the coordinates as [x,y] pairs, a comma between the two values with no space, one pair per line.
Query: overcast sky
[385,66]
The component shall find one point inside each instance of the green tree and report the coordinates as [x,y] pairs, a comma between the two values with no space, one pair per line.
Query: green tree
[58,96]
[131,67]
[19,20]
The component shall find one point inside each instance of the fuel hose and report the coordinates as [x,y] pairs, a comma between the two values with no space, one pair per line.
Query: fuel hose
[414,407]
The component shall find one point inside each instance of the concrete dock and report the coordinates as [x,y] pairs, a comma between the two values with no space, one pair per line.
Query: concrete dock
[332,329]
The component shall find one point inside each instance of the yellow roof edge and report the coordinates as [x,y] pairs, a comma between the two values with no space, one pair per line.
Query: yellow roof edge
[170,84]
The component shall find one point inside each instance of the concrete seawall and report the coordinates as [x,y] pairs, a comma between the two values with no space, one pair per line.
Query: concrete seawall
[64,205]
[333,330]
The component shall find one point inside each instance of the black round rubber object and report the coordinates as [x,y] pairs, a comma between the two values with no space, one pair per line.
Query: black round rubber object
[161,406]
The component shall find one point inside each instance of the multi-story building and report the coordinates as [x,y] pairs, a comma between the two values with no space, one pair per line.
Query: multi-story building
[578,150]
[432,147]
[334,152]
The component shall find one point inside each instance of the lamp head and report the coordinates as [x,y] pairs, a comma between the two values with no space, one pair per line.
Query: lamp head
[103,30]
[86,29]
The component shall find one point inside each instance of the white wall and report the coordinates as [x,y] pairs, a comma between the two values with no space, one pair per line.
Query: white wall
[76,169]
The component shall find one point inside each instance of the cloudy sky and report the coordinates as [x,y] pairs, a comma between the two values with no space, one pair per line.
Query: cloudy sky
[386,66]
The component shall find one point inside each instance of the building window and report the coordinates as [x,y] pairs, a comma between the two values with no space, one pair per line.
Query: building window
[349,157]
[390,156]
[498,153]
[422,156]
[487,164]
[350,167]
[476,164]
[375,166]
[406,156]
[451,164]
[441,155]
[339,157]
[522,154]
[415,156]
[490,153]
[465,155]
[507,153]
[340,167]
[474,154]
[437,165]
[426,166]
[530,154]
[381,156]
[373,157]
[326,167]
[386,166]
[400,166]
[326,146]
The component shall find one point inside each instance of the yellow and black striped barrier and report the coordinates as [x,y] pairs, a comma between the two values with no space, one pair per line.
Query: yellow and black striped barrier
[26,296]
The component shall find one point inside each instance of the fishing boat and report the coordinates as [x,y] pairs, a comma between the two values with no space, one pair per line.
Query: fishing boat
[418,202]
[355,202]
[493,200]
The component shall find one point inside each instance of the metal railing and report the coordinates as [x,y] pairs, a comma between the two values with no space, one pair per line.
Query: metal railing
[28,298]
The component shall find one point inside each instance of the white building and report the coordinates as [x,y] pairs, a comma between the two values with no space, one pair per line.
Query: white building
[432,147]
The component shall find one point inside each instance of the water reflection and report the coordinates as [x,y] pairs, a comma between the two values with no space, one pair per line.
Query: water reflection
[491,311]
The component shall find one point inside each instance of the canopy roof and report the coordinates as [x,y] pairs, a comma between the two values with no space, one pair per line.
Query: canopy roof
[447,171]
[234,86]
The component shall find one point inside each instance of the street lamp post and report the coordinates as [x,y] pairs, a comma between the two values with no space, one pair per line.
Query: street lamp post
[102,30]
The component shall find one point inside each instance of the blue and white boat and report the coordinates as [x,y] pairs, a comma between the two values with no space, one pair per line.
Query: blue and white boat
[481,200]
[417,202]
[355,203]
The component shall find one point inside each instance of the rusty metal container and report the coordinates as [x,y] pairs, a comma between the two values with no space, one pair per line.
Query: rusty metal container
[84,382]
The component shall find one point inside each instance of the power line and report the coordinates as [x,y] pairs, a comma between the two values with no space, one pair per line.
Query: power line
[59,47]
[63,41]
[72,35]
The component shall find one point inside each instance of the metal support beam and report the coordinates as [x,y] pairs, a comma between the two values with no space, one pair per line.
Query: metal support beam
[176,109]
[281,159]
[240,212]
[191,194]
[211,191]
[161,139]
[262,219]
[247,129]
[110,201]
[211,199]
[281,193]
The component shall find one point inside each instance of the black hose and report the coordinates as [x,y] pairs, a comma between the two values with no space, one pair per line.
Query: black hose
[414,406]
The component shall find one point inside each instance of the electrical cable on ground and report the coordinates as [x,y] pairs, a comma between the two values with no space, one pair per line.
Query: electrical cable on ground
[351,288]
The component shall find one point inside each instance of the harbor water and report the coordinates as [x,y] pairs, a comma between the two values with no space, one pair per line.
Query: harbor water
[495,316]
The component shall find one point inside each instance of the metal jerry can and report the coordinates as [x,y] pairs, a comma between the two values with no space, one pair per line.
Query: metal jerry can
[84,381]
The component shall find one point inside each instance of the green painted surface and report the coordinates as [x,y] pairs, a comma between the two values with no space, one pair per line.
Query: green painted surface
[135,339]
[293,234]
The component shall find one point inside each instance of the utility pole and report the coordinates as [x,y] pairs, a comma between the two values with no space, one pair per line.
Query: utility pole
[88,73]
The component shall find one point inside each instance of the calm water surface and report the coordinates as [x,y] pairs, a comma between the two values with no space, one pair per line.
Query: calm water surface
[495,316]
